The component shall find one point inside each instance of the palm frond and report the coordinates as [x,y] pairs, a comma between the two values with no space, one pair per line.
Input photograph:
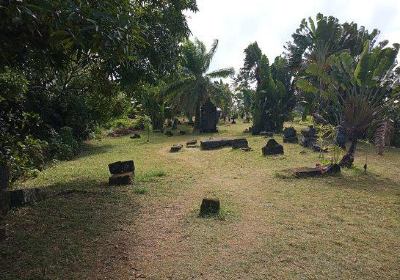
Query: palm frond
[209,56]
[221,73]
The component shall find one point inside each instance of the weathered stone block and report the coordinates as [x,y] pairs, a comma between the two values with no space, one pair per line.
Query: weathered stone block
[121,179]
[210,206]
[191,144]
[135,136]
[212,144]
[329,169]
[290,135]
[176,148]
[120,167]
[272,148]
[208,117]
[240,143]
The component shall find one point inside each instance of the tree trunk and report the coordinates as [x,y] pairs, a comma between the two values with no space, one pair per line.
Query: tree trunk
[348,159]
[197,118]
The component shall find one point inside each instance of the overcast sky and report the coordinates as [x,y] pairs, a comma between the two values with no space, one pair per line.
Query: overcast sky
[237,23]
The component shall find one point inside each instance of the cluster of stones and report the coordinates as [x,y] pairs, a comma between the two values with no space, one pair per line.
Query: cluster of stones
[212,144]
[272,148]
[290,135]
[15,198]
[122,172]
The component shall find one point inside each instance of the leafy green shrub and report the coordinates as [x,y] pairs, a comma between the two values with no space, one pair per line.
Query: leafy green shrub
[63,145]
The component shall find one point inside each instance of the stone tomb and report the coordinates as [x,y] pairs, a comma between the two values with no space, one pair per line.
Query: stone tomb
[212,144]
[290,135]
[208,117]
[121,172]
[209,206]
[272,148]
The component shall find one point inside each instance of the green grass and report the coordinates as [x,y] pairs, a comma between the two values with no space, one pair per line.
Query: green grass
[271,226]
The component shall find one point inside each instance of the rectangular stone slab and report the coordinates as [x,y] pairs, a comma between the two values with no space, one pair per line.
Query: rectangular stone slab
[121,167]
[121,179]
[211,144]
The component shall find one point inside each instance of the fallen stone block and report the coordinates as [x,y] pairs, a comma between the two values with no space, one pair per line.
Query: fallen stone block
[176,148]
[210,206]
[135,136]
[212,144]
[121,179]
[248,149]
[329,169]
[191,144]
[272,148]
[120,167]
[240,143]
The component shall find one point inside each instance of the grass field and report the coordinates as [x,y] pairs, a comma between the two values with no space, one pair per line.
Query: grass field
[270,226]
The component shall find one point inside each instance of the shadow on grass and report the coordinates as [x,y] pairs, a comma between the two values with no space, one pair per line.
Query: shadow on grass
[89,149]
[74,234]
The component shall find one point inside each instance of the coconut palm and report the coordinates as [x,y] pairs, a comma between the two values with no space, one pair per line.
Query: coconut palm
[196,85]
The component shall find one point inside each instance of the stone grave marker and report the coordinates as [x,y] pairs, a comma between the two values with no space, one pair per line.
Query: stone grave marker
[121,172]
[272,148]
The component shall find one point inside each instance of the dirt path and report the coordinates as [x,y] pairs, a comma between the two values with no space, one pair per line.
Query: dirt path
[175,244]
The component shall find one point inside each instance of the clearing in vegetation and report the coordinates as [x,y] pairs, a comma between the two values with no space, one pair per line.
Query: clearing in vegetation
[270,226]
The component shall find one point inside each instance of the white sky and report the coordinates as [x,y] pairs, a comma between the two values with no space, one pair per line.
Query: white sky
[237,23]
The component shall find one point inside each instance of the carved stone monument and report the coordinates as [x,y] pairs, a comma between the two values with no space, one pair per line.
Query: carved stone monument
[208,117]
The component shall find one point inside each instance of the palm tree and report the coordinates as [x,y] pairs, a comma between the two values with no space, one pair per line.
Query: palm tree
[195,85]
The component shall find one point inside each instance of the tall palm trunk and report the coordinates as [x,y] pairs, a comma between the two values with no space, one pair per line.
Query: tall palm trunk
[197,124]
[348,158]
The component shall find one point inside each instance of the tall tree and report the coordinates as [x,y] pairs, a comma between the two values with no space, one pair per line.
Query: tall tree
[274,96]
[313,43]
[195,84]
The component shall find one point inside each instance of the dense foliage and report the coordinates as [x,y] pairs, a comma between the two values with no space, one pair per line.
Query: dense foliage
[343,83]
[274,97]
[67,67]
